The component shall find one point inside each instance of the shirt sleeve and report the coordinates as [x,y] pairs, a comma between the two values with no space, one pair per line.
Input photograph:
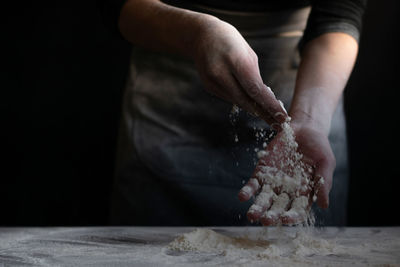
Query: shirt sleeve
[334,16]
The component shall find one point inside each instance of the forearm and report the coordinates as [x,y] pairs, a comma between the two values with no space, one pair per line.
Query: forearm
[326,65]
[157,26]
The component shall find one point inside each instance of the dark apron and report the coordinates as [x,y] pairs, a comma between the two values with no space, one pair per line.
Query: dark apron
[182,155]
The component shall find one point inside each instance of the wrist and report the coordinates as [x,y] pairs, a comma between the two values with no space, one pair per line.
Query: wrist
[185,30]
[314,108]
[196,32]
[161,27]
[317,120]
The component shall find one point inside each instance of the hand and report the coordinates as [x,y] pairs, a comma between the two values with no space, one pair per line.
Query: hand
[229,69]
[226,63]
[272,204]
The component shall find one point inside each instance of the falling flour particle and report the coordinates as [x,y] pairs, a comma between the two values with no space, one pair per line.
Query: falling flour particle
[265,144]
[235,109]
[262,153]
[234,114]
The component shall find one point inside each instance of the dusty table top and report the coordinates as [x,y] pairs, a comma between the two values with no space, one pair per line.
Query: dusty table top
[148,246]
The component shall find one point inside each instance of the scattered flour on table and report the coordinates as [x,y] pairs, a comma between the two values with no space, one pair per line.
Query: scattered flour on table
[284,246]
[288,249]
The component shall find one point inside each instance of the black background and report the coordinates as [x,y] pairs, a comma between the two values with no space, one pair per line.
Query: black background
[61,85]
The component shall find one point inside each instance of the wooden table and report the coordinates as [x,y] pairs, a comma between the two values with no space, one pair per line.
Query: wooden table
[147,246]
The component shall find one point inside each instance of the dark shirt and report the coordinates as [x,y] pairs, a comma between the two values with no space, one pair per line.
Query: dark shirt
[326,15]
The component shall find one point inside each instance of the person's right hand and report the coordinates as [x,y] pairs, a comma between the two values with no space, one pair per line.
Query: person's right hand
[229,69]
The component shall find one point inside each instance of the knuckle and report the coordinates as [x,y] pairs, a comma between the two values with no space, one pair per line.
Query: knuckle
[330,159]
[253,56]
[214,72]
[327,159]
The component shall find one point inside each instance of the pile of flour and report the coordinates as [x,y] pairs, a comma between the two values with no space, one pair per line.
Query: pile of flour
[287,249]
[203,239]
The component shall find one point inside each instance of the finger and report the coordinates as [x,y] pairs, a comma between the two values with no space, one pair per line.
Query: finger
[248,75]
[266,171]
[249,189]
[304,190]
[215,89]
[306,182]
[294,218]
[253,108]
[323,181]
[266,176]
[273,215]
[225,86]
[261,204]
[305,187]
[248,104]
[298,211]
[237,97]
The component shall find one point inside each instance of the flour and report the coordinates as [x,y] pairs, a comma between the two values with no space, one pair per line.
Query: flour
[207,240]
[234,114]
[286,180]
[287,249]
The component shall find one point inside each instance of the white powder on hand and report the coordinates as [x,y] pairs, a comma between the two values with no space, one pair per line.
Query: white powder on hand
[288,176]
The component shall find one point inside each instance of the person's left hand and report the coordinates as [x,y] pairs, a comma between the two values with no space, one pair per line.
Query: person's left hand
[315,147]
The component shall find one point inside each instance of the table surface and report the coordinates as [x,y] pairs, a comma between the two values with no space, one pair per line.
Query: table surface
[148,246]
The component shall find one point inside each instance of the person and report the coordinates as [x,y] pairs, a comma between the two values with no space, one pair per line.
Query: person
[183,154]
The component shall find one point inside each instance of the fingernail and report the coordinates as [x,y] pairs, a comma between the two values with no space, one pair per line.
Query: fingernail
[281,117]
[246,190]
